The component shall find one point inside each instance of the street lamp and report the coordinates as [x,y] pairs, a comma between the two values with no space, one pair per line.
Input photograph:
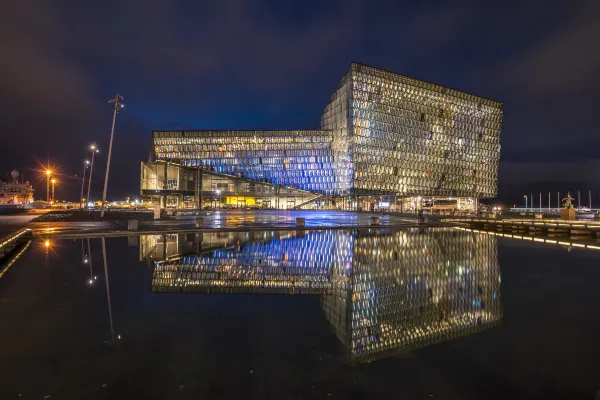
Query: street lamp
[48,173]
[53,182]
[117,108]
[525,201]
[85,165]
[94,150]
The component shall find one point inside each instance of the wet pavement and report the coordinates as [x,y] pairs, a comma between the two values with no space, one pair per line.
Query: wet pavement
[12,223]
[248,219]
[370,313]
[236,219]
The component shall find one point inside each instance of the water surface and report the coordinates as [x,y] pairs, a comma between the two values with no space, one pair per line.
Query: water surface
[381,313]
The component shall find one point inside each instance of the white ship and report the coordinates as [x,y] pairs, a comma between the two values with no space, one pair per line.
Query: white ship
[16,193]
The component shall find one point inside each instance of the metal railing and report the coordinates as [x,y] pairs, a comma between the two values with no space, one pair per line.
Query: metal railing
[8,244]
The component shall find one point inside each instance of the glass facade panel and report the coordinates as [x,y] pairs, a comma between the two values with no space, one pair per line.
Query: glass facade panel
[178,186]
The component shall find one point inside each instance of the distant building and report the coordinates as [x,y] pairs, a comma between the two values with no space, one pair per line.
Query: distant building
[399,140]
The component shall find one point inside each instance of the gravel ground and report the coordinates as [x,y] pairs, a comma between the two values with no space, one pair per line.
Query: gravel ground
[77,216]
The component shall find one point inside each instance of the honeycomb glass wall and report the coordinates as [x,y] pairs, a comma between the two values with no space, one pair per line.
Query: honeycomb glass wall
[381,134]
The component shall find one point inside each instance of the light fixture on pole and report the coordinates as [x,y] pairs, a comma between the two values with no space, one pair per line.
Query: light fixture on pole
[48,173]
[117,108]
[525,200]
[94,150]
[85,165]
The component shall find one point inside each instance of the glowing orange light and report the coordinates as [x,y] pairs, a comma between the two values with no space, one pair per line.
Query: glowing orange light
[47,243]
[48,172]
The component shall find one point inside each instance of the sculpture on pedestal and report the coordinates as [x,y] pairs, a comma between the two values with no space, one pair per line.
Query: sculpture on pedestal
[568,212]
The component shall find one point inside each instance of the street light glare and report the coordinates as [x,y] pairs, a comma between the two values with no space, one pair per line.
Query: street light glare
[48,172]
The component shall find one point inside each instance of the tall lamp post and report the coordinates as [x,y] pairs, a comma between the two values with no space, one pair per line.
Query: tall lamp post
[95,150]
[48,173]
[85,165]
[525,201]
[117,107]
[531,200]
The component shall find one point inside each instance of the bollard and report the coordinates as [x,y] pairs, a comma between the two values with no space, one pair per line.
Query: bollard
[374,220]
[133,225]
[199,222]
[300,222]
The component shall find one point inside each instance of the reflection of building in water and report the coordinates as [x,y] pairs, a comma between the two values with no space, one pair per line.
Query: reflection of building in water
[409,290]
[255,262]
[383,292]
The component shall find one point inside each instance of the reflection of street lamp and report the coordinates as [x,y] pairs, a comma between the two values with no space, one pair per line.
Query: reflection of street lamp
[92,278]
[525,201]
[94,150]
[53,182]
[113,338]
[85,164]
[48,173]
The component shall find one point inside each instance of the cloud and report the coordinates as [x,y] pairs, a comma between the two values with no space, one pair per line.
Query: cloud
[35,71]
[566,60]
[549,171]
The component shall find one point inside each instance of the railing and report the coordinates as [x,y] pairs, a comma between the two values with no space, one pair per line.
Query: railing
[548,210]
[9,239]
[593,226]
[7,245]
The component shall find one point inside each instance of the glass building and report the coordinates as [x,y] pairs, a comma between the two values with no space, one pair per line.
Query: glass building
[382,134]
[383,291]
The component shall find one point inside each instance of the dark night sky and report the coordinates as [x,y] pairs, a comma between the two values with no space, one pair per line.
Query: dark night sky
[273,64]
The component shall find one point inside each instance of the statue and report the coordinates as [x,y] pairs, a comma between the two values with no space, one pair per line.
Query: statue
[568,211]
[567,202]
